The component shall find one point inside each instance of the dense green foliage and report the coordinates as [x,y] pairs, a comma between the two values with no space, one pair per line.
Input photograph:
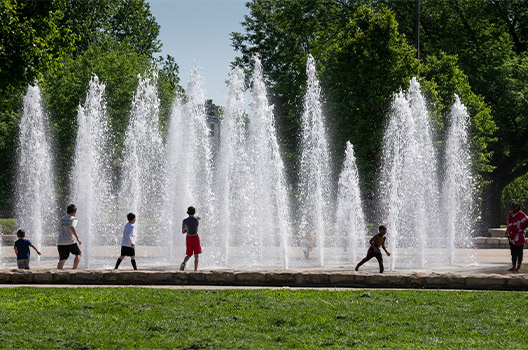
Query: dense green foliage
[32,41]
[141,318]
[365,53]
[490,40]
[62,43]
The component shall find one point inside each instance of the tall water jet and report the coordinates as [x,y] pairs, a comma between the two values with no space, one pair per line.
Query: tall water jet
[190,159]
[458,190]
[270,211]
[350,219]
[36,202]
[409,185]
[91,176]
[143,166]
[314,186]
[232,171]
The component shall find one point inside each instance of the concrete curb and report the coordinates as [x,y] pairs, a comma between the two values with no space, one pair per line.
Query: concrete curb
[284,278]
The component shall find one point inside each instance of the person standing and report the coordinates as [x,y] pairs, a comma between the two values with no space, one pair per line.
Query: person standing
[190,226]
[65,243]
[517,222]
[22,250]
[128,247]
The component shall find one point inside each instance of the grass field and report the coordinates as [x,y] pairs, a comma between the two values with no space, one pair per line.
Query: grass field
[143,318]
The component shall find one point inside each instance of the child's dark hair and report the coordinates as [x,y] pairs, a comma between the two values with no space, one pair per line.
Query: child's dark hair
[21,233]
[131,216]
[191,210]
[381,227]
[72,208]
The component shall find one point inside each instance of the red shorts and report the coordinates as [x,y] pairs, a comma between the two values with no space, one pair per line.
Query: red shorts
[193,245]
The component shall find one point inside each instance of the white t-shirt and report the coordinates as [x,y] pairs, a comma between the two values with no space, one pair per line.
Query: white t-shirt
[128,233]
[65,233]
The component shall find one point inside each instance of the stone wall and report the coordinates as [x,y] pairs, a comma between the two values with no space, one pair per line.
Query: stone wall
[268,279]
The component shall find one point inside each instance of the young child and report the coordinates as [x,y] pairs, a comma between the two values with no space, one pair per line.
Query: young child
[190,226]
[128,248]
[22,250]
[374,251]
[65,243]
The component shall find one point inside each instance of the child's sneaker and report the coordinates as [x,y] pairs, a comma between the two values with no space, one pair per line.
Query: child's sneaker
[182,266]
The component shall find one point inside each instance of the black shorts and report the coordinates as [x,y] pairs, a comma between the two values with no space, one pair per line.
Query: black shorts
[65,250]
[128,251]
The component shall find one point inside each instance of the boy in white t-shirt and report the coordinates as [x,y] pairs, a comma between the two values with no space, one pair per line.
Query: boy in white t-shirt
[65,243]
[128,248]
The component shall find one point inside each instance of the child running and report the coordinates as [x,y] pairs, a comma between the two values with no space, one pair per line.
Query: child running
[65,243]
[22,250]
[128,248]
[190,226]
[374,251]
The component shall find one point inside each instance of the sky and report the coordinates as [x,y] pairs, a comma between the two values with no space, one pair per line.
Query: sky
[198,32]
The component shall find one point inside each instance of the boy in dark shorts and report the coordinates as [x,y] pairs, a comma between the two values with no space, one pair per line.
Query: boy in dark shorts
[65,243]
[22,250]
[190,226]
[374,251]
[128,248]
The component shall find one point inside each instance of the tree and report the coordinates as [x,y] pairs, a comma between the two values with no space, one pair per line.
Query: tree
[366,62]
[32,41]
[98,22]
[489,38]
[115,39]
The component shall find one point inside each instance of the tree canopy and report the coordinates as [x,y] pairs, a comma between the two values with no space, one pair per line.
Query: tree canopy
[365,53]
[60,44]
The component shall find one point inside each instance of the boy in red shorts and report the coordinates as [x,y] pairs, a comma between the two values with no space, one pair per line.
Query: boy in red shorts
[190,226]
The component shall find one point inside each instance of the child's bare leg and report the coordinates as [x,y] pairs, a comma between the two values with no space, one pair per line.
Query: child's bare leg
[187,257]
[61,263]
[196,258]
[76,261]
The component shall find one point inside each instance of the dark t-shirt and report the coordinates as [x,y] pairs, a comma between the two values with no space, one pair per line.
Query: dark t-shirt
[191,225]
[23,248]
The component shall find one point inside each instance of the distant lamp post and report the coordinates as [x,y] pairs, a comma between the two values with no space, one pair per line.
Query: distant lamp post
[417,27]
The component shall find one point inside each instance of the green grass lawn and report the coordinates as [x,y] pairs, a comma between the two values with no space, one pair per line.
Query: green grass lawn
[143,318]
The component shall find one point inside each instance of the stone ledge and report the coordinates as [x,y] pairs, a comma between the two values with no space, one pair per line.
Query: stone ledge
[286,278]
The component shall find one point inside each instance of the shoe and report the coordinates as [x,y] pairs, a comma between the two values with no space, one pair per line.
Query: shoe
[512,269]
[182,266]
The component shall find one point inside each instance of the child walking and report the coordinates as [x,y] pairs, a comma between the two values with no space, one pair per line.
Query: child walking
[190,226]
[22,250]
[374,251]
[128,248]
[65,243]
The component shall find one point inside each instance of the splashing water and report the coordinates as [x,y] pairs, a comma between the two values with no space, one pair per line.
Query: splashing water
[350,220]
[458,190]
[36,201]
[232,171]
[270,210]
[190,161]
[409,185]
[314,187]
[91,176]
[143,167]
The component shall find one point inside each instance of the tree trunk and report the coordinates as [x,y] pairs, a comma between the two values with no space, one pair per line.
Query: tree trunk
[491,206]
